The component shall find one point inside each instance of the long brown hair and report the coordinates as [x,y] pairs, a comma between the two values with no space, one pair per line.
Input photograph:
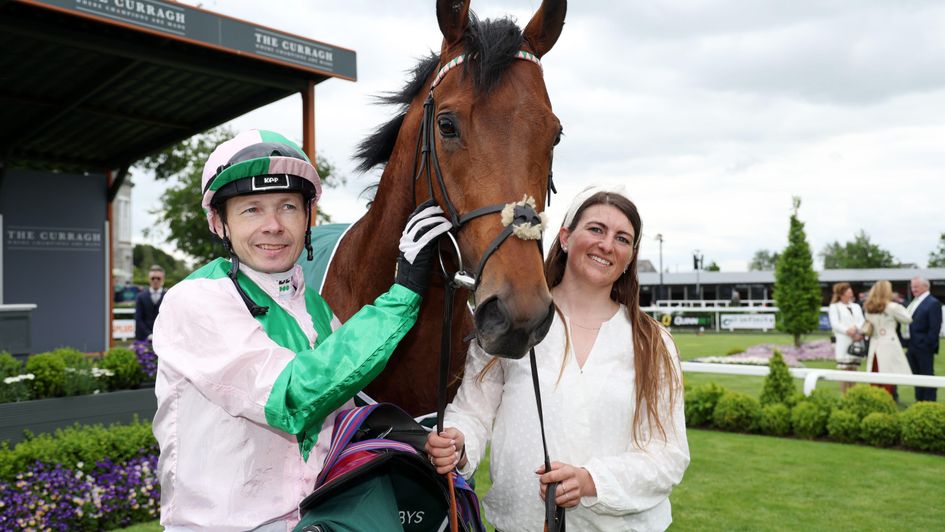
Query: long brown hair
[838,290]
[879,296]
[652,361]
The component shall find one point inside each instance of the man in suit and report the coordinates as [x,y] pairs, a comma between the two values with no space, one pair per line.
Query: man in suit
[923,334]
[148,303]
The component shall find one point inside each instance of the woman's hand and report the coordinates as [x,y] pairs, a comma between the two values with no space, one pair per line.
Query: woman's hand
[573,483]
[446,450]
[851,331]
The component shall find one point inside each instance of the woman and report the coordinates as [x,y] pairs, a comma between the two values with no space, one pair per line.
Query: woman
[885,353]
[846,320]
[611,389]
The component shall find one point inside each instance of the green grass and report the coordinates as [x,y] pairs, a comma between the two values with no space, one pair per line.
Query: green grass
[745,482]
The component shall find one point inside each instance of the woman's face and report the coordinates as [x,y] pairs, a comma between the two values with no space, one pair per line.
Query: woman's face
[847,295]
[600,247]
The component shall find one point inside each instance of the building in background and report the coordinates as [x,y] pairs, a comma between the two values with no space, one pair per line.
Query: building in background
[122,248]
[756,288]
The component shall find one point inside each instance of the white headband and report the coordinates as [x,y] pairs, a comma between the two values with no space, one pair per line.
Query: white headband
[585,194]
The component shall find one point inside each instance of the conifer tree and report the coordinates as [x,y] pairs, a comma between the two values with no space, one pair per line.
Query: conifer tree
[796,289]
[779,384]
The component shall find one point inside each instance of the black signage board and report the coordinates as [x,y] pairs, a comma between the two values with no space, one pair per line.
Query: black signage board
[191,24]
[54,256]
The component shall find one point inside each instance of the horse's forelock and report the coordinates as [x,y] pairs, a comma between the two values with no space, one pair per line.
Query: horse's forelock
[493,44]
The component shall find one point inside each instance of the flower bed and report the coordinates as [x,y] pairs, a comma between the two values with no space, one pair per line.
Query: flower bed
[108,496]
[81,478]
[793,356]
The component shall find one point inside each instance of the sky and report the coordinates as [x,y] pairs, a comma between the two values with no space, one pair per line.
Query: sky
[713,113]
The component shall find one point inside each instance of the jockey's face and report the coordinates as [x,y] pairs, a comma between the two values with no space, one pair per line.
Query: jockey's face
[267,230]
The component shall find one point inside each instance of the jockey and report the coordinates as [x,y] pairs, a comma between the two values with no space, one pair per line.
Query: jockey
[253,366]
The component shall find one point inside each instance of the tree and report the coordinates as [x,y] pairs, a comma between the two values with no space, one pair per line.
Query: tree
[146,255]
[182,166]
[937,257]
[712,267]
[796,289]
[763,261]
[859,253]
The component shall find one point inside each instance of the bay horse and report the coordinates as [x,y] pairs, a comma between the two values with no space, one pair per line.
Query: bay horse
[489,132]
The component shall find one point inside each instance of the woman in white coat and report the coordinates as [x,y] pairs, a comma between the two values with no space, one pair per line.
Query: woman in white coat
[846,320]
[885,353]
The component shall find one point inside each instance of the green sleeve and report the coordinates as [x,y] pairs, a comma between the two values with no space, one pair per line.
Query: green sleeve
[318,381]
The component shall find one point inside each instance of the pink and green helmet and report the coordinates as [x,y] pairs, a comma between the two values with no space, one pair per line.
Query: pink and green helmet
[257,162]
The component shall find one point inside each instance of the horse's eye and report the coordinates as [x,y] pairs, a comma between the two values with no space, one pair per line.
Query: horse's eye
[446,126]
[557,140]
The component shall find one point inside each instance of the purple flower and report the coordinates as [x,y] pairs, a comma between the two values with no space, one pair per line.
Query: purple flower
[146,357]
[54,497]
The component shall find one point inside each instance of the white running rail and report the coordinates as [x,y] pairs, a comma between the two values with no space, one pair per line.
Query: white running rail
[812,375]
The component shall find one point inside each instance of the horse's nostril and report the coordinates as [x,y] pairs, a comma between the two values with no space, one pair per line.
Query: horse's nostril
[491,317]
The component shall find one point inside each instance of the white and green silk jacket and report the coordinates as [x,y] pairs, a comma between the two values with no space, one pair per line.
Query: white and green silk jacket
[246,405]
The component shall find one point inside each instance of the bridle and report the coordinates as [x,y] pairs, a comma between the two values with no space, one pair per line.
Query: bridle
[519,218]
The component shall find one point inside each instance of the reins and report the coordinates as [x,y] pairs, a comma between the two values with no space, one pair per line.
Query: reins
[519,218]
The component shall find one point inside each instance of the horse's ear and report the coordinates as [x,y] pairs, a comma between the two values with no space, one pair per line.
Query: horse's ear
[453,15]
[545,26]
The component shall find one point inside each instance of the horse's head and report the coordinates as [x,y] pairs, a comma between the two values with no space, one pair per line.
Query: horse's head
[487,143]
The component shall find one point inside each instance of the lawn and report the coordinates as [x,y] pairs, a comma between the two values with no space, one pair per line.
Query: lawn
[747,482]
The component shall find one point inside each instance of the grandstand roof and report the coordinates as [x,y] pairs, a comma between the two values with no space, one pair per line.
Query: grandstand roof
[93,85]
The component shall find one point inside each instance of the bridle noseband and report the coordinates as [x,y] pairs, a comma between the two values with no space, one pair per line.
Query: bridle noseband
[520,218]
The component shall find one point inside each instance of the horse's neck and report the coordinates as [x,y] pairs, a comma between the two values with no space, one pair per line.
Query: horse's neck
[363,266]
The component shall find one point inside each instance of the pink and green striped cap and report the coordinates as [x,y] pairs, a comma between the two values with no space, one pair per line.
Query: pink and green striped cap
[267,160]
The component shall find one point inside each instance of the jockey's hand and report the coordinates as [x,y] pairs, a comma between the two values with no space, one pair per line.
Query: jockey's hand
[417,245]
[446,450]
[573,483]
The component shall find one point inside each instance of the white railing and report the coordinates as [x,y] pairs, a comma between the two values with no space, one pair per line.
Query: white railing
[701,303]
[812,375]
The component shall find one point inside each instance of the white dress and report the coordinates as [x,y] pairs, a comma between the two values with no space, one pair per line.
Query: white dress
[842,317]
[884,343]
[588,417]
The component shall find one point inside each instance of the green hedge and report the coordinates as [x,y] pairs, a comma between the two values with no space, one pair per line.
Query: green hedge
[66,372]
[700,403]
[85,444]
[865,414]
[923,426]
[737,412]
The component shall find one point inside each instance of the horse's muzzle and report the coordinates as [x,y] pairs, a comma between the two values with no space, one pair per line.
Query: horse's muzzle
[503,336]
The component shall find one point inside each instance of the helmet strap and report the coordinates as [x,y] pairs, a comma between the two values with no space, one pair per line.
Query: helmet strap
[308,230]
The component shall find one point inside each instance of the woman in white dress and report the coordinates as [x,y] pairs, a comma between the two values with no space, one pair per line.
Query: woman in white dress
[611,389]
[885,353]
[846,320]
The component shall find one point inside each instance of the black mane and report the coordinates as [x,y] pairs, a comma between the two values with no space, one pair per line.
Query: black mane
[493,44]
